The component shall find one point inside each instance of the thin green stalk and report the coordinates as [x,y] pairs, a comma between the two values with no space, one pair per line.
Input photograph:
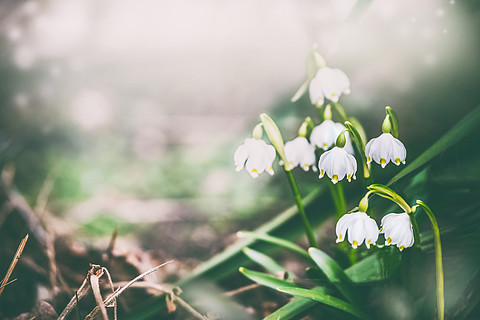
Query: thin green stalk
[338,198]
[438,261]
[298,199]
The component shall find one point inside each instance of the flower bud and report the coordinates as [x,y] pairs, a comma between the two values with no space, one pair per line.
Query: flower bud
[386,125]
[275,137]
[363,205]
[341,140]
[257,132]
[327,114]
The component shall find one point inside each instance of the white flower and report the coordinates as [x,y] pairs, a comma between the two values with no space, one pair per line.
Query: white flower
[398,230]
[337,164]
[300,152]
[385,148]
[325,134]
[328,83]
[360,228]
[258,155]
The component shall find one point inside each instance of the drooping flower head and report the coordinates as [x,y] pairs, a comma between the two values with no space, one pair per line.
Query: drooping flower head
[336,164]
[300,152]
[325,134]
[255,155]
[360,227]
[328,83]
[385,148]
[398,230]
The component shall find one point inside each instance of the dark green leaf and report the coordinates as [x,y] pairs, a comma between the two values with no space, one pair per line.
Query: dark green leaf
[294,307]
[265,261]
[274,240]
[266,279]
[334,273]
[325,299]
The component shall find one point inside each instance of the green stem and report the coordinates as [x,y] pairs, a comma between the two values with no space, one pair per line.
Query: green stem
[386,192]
[438,260]
[338,198]
[298,199]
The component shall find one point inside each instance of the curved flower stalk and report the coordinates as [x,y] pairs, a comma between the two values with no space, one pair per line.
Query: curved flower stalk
[328,83]
[337,164]
[438,259]
[255,155]
[300,152]
[398,230]
[361,228]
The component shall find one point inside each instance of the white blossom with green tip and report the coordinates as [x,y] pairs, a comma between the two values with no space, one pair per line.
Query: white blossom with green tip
[398,230]
[337,164]
[300,152]
[256,156]
[360,227]
[385,148]
[328,83]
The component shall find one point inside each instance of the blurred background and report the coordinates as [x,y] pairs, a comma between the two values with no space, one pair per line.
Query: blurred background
[125,114]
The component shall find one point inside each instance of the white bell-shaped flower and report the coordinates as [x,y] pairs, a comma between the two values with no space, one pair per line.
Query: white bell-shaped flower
[360,228]
[325,134]
[328,83]
[398,230]
[385,148]
[337,163]
[258,155]
[300,152]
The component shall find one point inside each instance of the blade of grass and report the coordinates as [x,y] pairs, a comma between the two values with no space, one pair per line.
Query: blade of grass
[294,307]
[265,261]
[325,299]
[274,240]
[266,279]
[334,273]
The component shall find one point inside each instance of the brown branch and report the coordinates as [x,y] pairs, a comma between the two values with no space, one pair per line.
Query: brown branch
[110,282]
[97,294]
[242,289]
[169,293]
[13,263]
[119,291]
[82,291]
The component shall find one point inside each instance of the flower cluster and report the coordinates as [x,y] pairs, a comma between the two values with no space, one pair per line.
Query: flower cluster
[337,162]
[396,228]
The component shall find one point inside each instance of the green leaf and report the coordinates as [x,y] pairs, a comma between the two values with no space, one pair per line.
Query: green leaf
[294,307]
[455,134]
[301,91]
[274,240]
[334,273]
[325,299]
[262,259]
[266,279]
[376,267]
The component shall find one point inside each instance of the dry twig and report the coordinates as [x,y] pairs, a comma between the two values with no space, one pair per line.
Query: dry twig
[108,302]
[82,291]
[96,292]
[13,263]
